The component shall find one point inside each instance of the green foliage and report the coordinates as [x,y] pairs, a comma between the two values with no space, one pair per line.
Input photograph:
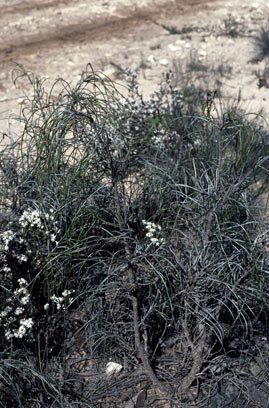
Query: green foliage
[145,226]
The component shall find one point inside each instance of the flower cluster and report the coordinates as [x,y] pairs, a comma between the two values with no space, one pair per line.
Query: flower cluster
[13,248]
[35,219]
[15,318]
[5,239]
[31,219]
[62,302]
[153,233]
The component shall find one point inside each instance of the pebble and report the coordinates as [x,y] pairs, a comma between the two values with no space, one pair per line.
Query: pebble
[173,47]
[181,42]
[151,58]
[113,368]
[164,61]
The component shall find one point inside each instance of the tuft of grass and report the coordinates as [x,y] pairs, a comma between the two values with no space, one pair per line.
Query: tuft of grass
[174,30]
[155,47]
[262,43]
[232,28]
[198,74]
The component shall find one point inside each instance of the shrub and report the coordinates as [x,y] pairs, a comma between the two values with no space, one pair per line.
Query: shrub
[131,226]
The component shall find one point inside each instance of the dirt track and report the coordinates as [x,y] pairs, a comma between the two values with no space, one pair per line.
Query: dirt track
[29,27]
[55,39]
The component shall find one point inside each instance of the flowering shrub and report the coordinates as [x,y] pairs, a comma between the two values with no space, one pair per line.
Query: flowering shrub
[23,247]
[17,306]
[42,222]
[134,226]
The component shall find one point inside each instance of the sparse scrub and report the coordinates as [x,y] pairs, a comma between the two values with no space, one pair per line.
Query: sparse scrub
[132,229]
[232,28]
[198,77]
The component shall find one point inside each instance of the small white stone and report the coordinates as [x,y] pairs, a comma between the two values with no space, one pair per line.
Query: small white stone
[163,61]
[151,58]
[173,47]
[181,42]
[113,368]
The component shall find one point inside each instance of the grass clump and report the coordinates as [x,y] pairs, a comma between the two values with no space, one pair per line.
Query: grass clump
[173,30]
[262,43]
[232,28]
[129,227]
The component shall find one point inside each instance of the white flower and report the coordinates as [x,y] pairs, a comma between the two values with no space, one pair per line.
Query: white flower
[153,232]
[113,368]
[46,306]
[154,241]
[67,292]
[28,323]
[6,311]
[6,237]
[22,282]
[20,291]
[52,237]
[9,335]
[31,218]
[19,311]
[25,299]
[24,325]
[58,300]
[22,258]
[20,332]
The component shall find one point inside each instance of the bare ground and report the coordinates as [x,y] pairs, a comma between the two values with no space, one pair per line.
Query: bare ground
[57,39]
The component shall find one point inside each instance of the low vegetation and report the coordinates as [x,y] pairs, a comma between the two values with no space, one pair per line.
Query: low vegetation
[131,233]
[262,43]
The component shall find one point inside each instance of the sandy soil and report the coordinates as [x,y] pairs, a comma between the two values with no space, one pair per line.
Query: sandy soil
[57,39]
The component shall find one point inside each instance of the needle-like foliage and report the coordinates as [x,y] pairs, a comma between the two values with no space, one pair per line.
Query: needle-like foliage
[129,228]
